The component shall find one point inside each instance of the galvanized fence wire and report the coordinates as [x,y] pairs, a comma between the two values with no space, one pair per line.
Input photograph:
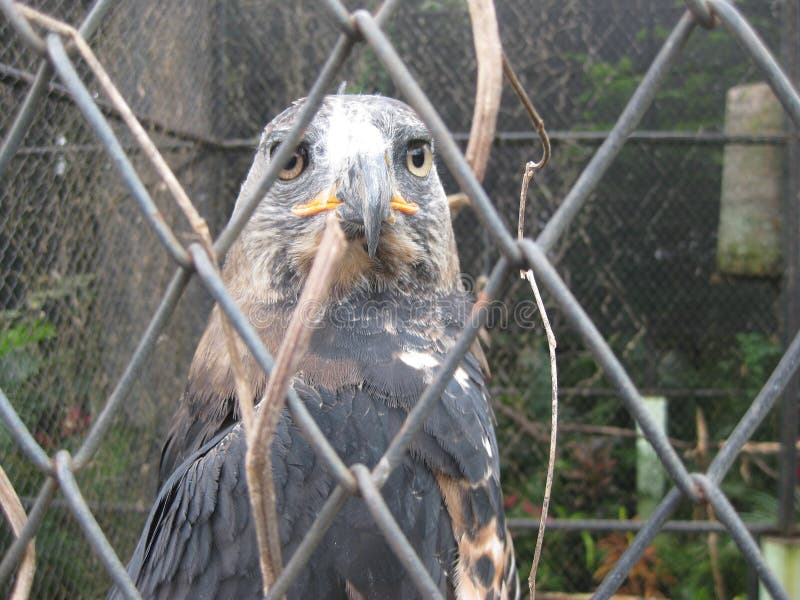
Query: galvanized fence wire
[366,28]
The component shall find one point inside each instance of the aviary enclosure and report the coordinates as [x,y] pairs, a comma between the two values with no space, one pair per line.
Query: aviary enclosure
[673,294]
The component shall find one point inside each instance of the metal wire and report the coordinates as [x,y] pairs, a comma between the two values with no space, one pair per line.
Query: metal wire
[361,26]
[393,534]
[22,436]
[35,517]
[702,12]
[34,97]
[83,515]
[604,525]
[23,27]
[728,517]
[209,275]
[133,369]
[627,122]
[446,145]
[87,105]
[654,525]
[738,26]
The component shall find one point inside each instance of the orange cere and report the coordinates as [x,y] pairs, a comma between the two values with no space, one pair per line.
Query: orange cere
[401,204]
[325,200]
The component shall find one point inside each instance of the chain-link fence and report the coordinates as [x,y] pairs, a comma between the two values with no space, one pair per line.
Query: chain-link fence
[83,274]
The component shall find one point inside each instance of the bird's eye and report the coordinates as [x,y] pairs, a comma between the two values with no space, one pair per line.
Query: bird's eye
[419,158]
[295,165]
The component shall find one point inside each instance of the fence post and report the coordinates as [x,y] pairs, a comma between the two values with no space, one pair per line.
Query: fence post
[650,476]
[783,557]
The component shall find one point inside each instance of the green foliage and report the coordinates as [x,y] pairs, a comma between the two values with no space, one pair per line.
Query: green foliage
[694,93]
[609,86]
[25,334]
[20,353]
[595,474]
[759,355]
[45,376]
[369,75]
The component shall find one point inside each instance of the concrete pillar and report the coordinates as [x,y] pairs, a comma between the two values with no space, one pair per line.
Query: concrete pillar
[749,242]
[650,475]
[783,557]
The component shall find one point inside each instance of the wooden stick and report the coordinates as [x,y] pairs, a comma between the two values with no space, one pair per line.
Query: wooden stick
[530,168]
[16,517]
[258,459]
[489,55]
[169,179]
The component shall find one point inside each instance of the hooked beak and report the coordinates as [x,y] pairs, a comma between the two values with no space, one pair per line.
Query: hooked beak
[365,197]
[365,190]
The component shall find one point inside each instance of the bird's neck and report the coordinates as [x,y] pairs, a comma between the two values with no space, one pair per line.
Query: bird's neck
[354,333]
[275,273]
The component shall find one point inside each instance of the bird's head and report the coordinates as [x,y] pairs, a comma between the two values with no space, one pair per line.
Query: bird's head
[370,161]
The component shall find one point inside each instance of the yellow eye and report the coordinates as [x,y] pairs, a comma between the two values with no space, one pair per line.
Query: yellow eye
[296,164]
[419,158]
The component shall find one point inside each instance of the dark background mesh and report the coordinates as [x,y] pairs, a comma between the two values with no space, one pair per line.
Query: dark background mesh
[80,274]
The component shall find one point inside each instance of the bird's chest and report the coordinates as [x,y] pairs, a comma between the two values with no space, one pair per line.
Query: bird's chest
[377,355]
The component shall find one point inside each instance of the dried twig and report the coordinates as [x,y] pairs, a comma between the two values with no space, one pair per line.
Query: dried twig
[533,114]
[116,99]
[259,441]
[259,430]
[169,179]
[488,92]
[762,466]
[456,202]
[489,54]
[539,432]
[713,537]
[16,517]
[530,168]
[689,449]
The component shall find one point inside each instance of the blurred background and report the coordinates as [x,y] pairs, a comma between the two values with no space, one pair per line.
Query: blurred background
[81,274]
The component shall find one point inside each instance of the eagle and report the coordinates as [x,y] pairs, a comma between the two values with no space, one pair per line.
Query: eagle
[396,307]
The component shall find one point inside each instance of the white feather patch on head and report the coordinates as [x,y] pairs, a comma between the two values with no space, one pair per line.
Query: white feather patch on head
[352,133]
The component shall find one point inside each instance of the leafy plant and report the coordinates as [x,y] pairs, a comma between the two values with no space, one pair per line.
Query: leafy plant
[20,354]
[648,578]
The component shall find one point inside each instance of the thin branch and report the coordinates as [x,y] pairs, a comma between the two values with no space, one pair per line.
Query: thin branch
[530,168]
[533,114]
[258,431]
[713,538]
[148,147]
[16,517]
[488,93]
[197,223]
[258,460]
[489,55]
[764,467]
[551,345]
[539,432]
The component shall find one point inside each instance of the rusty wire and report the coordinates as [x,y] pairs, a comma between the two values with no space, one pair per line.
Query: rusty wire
[361,27]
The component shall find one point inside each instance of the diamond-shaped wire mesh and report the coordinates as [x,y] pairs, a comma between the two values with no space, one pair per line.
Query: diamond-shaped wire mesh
[82,273]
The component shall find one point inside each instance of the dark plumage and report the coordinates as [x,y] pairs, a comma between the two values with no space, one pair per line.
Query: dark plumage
[396,308]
